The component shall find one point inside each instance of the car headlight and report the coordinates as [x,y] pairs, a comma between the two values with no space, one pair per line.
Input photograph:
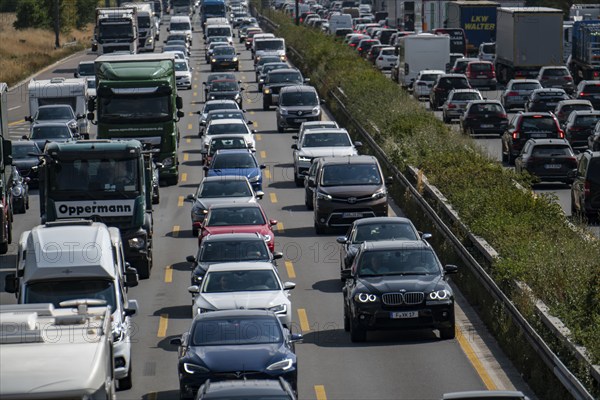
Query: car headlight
[257,59]
[267,91]
[267,238]
[316,110]
[167,162]
[204,310]
[213,60]
[194,369]
[303,158]
[235,59]
[136,243]
[283,111]
[280,309]
[198,211]
[149,40]
[261,80]
[254,179]
[440,295]
[196,280]
[380,194]
[72,124]
[323,196]
[283,58]
[365,298]
[17,191]
[281,365]
[212,97]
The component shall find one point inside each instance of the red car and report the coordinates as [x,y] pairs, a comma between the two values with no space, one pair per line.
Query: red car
[238,218]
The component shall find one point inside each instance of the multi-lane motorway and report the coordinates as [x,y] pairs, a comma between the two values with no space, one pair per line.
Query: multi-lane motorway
[391,365]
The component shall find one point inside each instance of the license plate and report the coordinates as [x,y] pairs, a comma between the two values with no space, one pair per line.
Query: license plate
[551,104]
[300,120]
[404,314]
[352,215]
[487,126]
[224,63]
[539,135]
[552,166]
[482,76]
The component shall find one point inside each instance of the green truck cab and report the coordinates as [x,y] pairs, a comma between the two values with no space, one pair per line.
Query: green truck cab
[136,98]
[108,181]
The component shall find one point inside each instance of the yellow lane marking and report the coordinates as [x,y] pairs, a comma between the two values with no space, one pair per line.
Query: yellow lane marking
[190,114]
[252,113]
[263,154]
[188,140]
[470,353]
[186,156]
[267,174]
[258,136]
[290,270]
[195,94]
[196,78]
[163,324]
[273,197]
[303,320]
[176,231]
[16,122]
[183,177]
[190,127]
[180,201]
[280,227]
[320,392]
[195,86]
[168,274]
[249,101]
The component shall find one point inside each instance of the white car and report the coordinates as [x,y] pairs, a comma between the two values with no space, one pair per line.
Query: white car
[424,82]
[320,143]
[386,59]
[457,102]
[308,125]
[248,285]
[183,74]
[228,126]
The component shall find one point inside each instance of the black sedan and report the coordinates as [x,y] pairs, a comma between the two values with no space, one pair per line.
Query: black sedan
[235,344]
[225,89]
[24,159]
[484,116]
[373,230]
[224,57]
[398,285]
[19,192]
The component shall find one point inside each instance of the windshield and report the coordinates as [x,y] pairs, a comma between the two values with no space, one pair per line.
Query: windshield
[224,188]
[328,139]
[486,109]
[270,44]
[481,67]
[299,99]
[109,176]
[111,30]
[246,250]
[235,216]
[176,37]
[143,22]
[135,108]
[221,129]
[230,144]
[214,9]
[556,72]
[236,331]
[180,26]
[351,174]
[221,31]
[489,48]
[225,115]
[453,83]
[223,86]
[23,150]
[54,113]
[50,132]
[384,231]
[56,292]
[398,262]
[466,96]
[429,77]
[292,77]
[543,124]
[218,39]
[224,50]
[240,281]
[233,161]
[181,66]
[220,106]
[270,59]
[86,69]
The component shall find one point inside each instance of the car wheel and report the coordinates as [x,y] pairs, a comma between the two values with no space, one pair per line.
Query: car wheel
[27,203]
[320,230]
[183,395]
[445,119]
[195,232]
[280,129]
[357,334]
[299,181]
[266,106]
[504,158]
[143,267]
[448,332]
[511,159]
[308,201]
[127,382]
[346,321]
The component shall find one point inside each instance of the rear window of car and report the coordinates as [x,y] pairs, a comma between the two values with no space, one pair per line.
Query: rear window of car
[525,86]
[455,83]
[387,52]
[481,67]
[551,150]
[575,107]
[587,120]
[538,124]
[556,72]
[594,170]
[489,48]
[466,96]
[595,88]
[429,77]
[486,108]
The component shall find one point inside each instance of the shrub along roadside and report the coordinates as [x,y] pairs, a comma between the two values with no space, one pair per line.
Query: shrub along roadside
[530,233]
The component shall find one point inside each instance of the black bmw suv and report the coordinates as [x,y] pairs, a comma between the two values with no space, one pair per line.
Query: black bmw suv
[398,285]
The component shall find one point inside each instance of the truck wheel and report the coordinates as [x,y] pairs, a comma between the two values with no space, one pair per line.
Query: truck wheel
[266,106]
[195,232]
[127,382]
[4,248]
[143,268]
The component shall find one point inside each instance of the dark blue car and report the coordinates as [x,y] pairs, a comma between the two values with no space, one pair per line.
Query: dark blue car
[233,345]
[240,162]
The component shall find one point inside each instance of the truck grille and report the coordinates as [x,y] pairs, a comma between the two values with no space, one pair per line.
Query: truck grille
[410,298]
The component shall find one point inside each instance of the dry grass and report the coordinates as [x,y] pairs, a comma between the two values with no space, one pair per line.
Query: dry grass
[24,52]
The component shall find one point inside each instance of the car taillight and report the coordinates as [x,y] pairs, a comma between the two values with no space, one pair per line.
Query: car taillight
[502,116]
[596,74]
[568,78]
[586,188]
[516,134]
[571,160]
[450,105]
[380,58]
[512,94]
[359,49]
[583,94]
[561,133]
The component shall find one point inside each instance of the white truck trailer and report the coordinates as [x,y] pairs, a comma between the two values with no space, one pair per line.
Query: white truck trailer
[419,52]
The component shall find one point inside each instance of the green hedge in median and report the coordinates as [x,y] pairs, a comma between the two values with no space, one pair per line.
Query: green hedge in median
[531,234]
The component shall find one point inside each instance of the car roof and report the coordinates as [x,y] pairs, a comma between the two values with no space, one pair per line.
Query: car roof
[228,135]
[533,114]
[220,314]
[371,220]
[236,205]
[284,71]
[224,178]
[220,102]
[226,237]
[549,90]
[297,88]
[465,91]
[395,245]
[55,106]
[234,151]
[480,62]
[573,101]
[546,142]
[453,76]
[325,130]
[229,121]
[49,123]
[241,265]
[585,112]
[485,102]
[432,71]
[361,159]
[523,81]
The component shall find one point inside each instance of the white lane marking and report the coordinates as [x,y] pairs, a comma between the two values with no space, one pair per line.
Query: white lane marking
[14,108]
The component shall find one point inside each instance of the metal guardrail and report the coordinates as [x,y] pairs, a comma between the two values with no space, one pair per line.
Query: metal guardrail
[566,377]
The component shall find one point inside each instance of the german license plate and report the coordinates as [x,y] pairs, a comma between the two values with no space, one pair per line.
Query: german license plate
[487,125]
[300,120]
[552,166]
[404,314]
[552,104]
[351,215]
[538,135]
[225,63]
[481,76]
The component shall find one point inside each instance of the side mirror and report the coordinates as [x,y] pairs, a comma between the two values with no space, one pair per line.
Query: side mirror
[294,146]
[10,283]
[254,131]
[295,137]
[180,114]
[272,222]
[426,236]
[24,137]
[28,118]
[259,194]
[76,74]
[341,239]
[175,341]
[450,269]
[191,197]
[168,29]
[572,174]
[242,89]
[389,180]
[190,259]
[289,285]
[295,338]
[322,101]
[277,255]
[194,289]
[358,144]
[131,276]
[179,102]
[79,116]
[204,152]
[95,46]
[132,307]
[205,168]
[250,122]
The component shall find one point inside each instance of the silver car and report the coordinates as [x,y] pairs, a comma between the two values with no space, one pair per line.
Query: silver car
[556,77]
[517,92]
[457,102]
[424,82]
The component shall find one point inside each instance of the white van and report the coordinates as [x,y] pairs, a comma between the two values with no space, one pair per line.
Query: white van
[181,24]
[339,21]
[220,30]
[419,52]
[269,47]
[69,91]
[79,259]
[259,36]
